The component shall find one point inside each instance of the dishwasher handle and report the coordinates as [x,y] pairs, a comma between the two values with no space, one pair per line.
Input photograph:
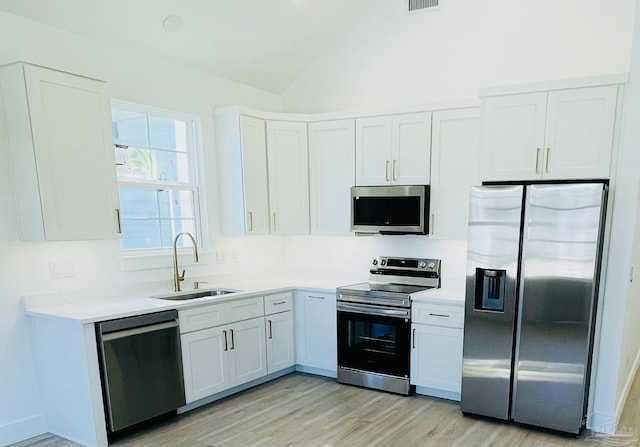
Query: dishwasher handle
[137,321]
[139,330]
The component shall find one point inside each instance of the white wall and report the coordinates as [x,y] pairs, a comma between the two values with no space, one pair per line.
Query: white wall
[132,77]
[446,54]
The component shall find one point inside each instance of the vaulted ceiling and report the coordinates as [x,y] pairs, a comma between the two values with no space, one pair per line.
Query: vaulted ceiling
[261,43]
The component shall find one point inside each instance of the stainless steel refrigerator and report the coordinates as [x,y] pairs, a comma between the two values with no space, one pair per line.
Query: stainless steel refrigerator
[533,266]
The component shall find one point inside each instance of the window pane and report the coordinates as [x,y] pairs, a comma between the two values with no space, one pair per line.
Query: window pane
[176,204]
[169,228]
[138,203]
[130,128]
[167,134]
[172,167]
[140,234]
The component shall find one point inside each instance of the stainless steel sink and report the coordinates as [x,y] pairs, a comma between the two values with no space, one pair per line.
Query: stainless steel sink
[198,294]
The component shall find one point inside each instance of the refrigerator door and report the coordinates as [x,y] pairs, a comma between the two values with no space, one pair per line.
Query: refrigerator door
[492,266]
[560,258]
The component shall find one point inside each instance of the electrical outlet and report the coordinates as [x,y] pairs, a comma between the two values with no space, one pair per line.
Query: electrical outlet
[55,270]
[69,269]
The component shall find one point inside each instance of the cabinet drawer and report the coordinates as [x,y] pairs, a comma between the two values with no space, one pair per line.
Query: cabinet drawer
[245,309]
[437,314]
[280,302]
[203,317]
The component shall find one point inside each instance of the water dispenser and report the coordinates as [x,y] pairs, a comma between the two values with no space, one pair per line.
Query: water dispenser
[490,289]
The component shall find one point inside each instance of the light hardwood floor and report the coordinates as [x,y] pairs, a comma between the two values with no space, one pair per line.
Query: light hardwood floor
[304,410]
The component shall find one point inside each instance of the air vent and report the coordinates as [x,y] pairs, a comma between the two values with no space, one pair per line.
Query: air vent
[421,5]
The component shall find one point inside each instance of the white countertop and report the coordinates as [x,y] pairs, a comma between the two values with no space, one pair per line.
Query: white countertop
[104,305]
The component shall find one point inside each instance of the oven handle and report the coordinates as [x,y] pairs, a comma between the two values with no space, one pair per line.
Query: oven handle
[373,310]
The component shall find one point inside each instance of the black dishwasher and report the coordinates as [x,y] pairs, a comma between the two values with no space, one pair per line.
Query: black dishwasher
[141,368]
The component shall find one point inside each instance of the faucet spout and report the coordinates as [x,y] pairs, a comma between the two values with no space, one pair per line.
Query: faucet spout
[177,277]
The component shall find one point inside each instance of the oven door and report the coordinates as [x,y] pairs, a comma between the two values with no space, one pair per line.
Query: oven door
[374,339]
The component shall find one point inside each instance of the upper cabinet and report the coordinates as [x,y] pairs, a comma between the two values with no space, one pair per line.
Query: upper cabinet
[288,163]
[331,175]
[454,169]
[241,146]
[58,130]
[560,134]
[393,150]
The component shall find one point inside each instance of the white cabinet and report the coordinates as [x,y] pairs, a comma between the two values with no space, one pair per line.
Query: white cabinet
[278,309]
[223,345]
[316,332]
[58,127]
[241,148]
[454,169]
[288,167]
[331,175]
[247,356]
[561,134]
[393,150]
[436,349]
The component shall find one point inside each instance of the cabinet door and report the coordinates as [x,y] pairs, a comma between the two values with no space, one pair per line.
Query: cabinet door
[74,155]
[454,169]
[247,357]
[316,330]
[280,345]
[436,357]
[288,177]
[204,363]
[331,175]
[512,137]
[254,152]
[411,149]
[579,133]
[373,151]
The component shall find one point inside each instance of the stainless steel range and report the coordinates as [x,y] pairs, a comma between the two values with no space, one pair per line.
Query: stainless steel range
[374,323]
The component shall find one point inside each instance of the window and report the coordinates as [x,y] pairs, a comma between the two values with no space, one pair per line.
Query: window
[157,181]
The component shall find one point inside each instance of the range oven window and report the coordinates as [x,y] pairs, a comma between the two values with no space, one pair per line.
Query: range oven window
[373,343]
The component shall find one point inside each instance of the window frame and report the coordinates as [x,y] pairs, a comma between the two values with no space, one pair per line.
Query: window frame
[196,184]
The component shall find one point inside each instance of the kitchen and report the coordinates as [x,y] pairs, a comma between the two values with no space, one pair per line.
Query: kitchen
[25,265]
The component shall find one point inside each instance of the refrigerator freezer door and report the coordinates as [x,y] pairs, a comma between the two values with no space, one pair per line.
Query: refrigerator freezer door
[492,266]
[561,252]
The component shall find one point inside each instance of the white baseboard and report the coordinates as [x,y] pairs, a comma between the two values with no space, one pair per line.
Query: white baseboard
[627,387]
[16,431]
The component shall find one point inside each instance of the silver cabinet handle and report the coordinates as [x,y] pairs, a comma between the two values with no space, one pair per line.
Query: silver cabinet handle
[316,297]
[386,170]
[270,329]
[274,222]
[546,161]
[250,215]
[393,171]
[226,346]
[433,223]
[277,303]
[439,315]
[537,160]
[413,338]
[233,343]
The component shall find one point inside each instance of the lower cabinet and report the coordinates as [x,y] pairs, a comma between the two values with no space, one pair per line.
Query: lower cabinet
[280,344]
[436,349]
[220,358]
[316,332]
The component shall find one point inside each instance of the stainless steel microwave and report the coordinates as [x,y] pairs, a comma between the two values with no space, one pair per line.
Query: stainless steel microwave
[390,209]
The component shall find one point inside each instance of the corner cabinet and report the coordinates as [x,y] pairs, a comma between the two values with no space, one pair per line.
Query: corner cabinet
[555,135]
[58,129]
[288,167]
[454,169]
[241,147]
[331,175]
[436,349]
[393,149]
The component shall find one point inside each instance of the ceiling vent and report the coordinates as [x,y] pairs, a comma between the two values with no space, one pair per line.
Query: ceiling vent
[421,5]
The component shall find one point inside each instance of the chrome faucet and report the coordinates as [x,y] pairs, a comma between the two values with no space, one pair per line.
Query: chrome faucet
[177,277]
